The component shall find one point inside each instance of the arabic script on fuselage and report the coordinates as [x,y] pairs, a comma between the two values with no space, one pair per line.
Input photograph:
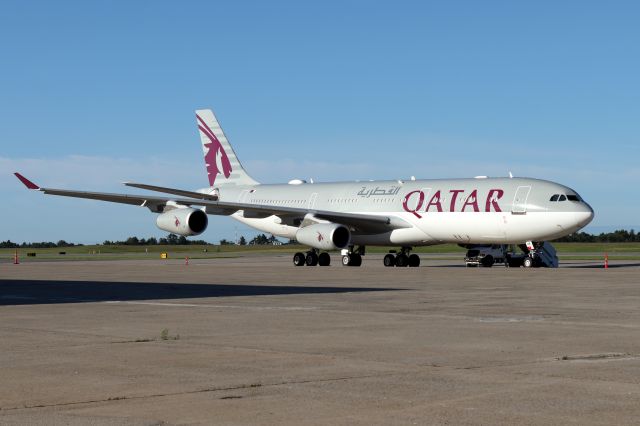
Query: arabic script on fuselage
[367,192]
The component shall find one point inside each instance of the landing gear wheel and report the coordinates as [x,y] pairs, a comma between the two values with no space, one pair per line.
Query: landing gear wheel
[402,260]
[487,261]
[389,260]
[299,259]
[414,261]
[312,259]
[527,262]
[324,259]
[352,259]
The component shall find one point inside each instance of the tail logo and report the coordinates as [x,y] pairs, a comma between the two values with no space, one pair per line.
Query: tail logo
[215,158]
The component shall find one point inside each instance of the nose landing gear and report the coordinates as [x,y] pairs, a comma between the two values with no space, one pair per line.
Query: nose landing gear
[402,259]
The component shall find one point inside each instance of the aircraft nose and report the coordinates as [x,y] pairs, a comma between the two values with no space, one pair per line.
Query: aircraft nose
[584,216]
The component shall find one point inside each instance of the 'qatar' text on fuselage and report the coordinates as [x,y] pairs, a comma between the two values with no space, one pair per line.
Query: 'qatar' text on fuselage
[415,201]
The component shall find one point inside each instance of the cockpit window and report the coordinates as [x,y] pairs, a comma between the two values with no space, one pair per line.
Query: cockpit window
[563,197]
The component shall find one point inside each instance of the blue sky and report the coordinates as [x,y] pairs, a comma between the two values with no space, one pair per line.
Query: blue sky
[96,93]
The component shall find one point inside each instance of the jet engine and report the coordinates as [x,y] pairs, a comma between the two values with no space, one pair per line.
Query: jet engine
[324,236]
[184,221]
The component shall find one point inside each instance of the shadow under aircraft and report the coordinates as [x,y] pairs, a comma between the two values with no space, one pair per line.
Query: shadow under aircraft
[34,292]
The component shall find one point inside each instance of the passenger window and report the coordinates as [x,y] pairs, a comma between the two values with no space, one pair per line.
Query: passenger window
[554,197]
[562,198]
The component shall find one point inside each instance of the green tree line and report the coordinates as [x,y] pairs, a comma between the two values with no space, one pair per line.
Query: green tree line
[170,240]
[61,243]
[619,236]
[260,239]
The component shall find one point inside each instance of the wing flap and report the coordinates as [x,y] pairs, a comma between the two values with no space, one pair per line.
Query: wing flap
[174,191]
[102,196]
[359,221]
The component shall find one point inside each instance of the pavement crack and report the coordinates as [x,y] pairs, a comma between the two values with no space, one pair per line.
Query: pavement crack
[597,357]
[195,391]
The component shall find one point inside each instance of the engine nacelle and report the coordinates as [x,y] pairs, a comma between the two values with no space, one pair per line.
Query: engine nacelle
[185,222]
[324,236]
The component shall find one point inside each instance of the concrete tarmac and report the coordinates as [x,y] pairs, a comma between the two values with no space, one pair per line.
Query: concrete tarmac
[255,340]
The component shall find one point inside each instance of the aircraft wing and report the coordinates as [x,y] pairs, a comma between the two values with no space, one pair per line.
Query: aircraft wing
[181,192]
[367,223]
[359,221]
[137,200]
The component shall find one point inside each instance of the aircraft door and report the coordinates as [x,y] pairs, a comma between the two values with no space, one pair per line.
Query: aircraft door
[312,201]
[519,205]
[242,198]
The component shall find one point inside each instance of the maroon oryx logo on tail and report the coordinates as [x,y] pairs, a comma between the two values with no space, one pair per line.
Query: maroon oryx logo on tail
[216,158]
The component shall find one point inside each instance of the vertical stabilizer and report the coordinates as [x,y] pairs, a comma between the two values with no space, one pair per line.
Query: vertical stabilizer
[223,166]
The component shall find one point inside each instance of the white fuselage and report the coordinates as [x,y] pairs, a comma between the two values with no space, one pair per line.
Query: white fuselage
[462,211]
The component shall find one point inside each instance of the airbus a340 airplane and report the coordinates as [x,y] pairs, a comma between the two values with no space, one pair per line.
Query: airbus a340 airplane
[352,215]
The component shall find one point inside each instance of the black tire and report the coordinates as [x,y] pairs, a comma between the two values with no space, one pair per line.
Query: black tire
[299,259]
[515,262]
[312,259]
[324,259]
[414,261]
[352,259]
[389,260]
[487,261]
[527,262]
[402,260]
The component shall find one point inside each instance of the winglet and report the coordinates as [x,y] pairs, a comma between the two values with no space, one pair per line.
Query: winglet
[26,181]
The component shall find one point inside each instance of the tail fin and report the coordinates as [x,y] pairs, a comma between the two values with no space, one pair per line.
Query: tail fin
[223,167]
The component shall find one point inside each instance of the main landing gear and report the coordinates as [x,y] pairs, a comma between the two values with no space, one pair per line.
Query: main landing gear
[311,258]
[402,259]
[352,257]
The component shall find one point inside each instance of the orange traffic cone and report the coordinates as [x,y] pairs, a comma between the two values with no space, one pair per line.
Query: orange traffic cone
[606,261]
[16,261]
